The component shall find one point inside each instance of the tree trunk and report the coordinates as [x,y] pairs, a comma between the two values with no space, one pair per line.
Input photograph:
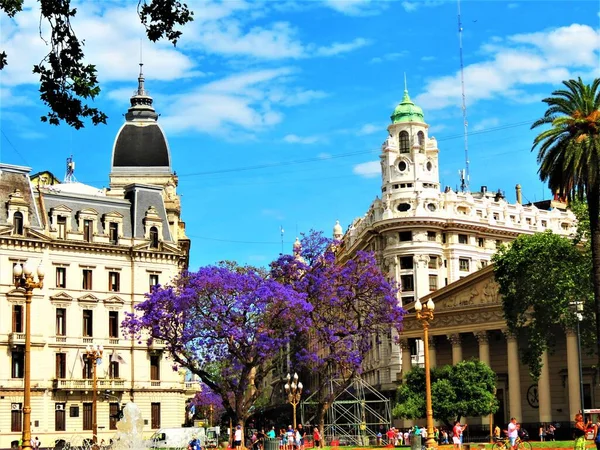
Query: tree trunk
[593,201]
[322,428]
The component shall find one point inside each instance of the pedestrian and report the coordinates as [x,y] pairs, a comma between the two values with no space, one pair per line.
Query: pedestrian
[457,432]
[317,437]
[291,436]
[302,432]
[36,443]
[541,433]
[550,432]
[237,438]
[378,438]
[271,433]
[579,432]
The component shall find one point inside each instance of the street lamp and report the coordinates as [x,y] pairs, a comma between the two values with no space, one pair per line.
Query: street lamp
[93,354]
[577,307]
[425,315]
[293,391]
[23,278]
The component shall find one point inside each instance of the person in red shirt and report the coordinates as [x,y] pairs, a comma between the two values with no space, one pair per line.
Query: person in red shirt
[391,435]
[457,432]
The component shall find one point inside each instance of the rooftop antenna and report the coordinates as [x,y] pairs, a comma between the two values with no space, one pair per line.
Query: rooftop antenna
[281,230]
[70,173]
[405,83]
[464,173]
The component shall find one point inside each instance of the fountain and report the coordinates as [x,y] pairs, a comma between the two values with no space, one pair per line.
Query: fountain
[129,429]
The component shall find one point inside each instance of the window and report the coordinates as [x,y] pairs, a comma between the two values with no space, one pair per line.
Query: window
[113,324]
[406,262]
[463,239]
[61,365]
[433,282]
[18,223]
[88,319]
[17,319]
[86,371]
[153,237]
[17,363]
[113,369]
[114,281]
[113,232]
[481,242]
[402,166]
[87,280]
[60,417]
[61,277]
[87,416]
[405,236]
[61,224]
[498,243]
[155,413]
[61,322]
[431,236]
[421,139]
[433,262]
[403,207]
[463,264]
[153,280]
[404,142]
[484,263]
[88,230]
[16,417]
[114,416]
[407,282]
[155,367]
[444,238]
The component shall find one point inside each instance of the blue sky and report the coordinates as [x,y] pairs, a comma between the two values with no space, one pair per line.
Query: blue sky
[276,110]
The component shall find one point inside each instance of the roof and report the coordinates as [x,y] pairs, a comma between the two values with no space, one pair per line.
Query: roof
[407,111]
[76,188]
[141,145]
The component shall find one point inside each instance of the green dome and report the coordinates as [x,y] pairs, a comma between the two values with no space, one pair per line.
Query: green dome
[407,111]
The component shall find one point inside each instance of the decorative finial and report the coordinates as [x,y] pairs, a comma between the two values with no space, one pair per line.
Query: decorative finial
[405,83]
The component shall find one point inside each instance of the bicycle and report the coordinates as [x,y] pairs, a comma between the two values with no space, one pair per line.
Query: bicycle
[504,444]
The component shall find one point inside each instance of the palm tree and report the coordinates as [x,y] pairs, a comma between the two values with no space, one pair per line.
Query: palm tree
[569,156]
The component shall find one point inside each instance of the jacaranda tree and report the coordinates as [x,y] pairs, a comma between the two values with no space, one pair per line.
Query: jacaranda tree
[352,303]
[206,404]
[224,324]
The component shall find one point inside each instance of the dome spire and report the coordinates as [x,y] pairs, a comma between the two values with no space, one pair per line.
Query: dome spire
[141,102]
[407,111]
[141,89]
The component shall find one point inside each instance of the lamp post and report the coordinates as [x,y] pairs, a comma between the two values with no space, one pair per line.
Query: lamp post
[293,391]
[93,354]
[577,307]
[23,278]
[425,315]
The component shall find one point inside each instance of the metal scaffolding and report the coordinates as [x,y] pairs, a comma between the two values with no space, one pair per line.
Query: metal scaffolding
[355,416]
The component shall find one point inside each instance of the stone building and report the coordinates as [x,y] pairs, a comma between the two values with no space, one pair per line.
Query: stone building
[427,236]
[101,250]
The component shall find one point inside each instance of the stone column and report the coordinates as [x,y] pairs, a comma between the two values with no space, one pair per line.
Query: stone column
[545,409]
[514,377]
[406,366]
[456,348]
[421,275]
[432,353]
[573,373]
[484,346]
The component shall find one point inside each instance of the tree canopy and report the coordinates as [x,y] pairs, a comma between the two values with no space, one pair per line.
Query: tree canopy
[466,389]
[67,82]
[224,324]
[351,304]
[539,276]
[569,157]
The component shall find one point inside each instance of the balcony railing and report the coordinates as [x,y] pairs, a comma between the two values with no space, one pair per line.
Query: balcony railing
[85,384]
[16,339]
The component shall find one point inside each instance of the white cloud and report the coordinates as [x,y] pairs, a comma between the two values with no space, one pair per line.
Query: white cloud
[369,169]
[428,58]
[388,57]
[520,61]
[356,7]
[342,47]
[369,128]
[305,140]
[485,123]
[324,156]
[412,6]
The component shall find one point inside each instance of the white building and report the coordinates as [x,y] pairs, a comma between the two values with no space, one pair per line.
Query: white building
[426,236]
[101,250]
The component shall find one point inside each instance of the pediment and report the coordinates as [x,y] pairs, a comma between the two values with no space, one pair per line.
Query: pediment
[61,297]
[89,211]
[88,298]
[61,209]
[16,294]
[114,300]
[37,234]
[113,214]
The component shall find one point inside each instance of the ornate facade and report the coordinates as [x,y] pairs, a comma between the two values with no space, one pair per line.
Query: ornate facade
[427,237]
[101,250]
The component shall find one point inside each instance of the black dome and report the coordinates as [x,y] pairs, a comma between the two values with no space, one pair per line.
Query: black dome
[141,145]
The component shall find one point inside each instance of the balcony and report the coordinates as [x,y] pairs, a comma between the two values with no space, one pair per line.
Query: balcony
[16,339]
[86,384]
[157,345]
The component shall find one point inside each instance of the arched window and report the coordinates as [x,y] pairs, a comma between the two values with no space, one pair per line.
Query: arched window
[421,139]
[404,142]
[18,223]
[153,237]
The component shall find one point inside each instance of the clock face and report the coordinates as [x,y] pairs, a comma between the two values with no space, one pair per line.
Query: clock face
[402,166]
[533,396]
[431,207]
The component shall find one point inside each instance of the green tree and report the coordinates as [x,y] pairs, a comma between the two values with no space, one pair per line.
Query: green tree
[465,389]
[569,155]
[538,276]
[67,83]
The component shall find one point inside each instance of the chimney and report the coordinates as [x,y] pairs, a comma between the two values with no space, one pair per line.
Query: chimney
[519,197]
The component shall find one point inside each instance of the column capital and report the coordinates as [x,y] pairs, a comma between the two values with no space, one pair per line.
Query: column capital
[509,335]
[454,339]
[571,331]
[404,345]
[431,341]
[482,336]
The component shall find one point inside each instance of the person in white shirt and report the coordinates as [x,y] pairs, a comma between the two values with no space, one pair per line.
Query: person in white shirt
[237,438]
[513,432]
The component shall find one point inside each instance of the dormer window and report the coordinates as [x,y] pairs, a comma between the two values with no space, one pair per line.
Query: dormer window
[153,237]
[113,233]
[18,223]
[88,230]
[404,142]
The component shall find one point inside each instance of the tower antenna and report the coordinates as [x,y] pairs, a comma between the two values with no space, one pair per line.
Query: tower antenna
[464,174]
[70,172]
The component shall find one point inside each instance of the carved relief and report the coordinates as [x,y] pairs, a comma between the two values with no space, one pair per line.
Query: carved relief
[455,339]
[454,320]
[421,261]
